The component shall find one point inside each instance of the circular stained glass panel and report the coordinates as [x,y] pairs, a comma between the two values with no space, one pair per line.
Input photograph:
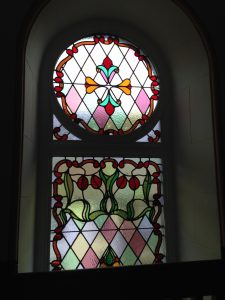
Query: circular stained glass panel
[106,85]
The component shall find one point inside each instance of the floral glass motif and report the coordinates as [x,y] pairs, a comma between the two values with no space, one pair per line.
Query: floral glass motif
[106,212]
[106,85]
[154,136]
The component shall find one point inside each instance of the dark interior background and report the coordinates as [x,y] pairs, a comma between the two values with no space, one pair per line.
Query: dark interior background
[15,18]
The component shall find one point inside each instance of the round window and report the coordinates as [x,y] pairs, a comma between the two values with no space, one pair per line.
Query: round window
[106,85]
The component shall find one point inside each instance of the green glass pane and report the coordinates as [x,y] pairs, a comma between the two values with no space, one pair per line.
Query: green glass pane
[152,242]
[110,125]
[134,114]
[109,169]
[70,261]
[119,117]
[94,197]
[146,257]
[128,257]
[123,196]
[139,193]
[93,124]
[79,224]
[100,221]
[127,125]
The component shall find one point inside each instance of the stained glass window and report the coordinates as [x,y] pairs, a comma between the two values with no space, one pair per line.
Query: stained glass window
[106,212]
[106,84]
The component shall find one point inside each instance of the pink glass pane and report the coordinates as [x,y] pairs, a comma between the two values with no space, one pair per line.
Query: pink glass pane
[73,100]
[142,101]
[100,116]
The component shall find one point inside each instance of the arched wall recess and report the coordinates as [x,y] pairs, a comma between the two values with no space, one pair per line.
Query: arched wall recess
[191,187]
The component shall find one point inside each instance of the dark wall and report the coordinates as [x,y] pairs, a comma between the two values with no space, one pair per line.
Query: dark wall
[14,24]
[211,17]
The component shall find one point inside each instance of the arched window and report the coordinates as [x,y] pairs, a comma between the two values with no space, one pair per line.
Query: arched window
[106,210]
[103,144]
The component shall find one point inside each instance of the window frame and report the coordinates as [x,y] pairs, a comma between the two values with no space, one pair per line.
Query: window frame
[47,147]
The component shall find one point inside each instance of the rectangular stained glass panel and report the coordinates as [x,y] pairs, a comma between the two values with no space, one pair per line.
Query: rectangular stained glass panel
[106,212]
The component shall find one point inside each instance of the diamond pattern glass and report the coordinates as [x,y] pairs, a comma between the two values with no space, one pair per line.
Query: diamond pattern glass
[93,228]
[106,85]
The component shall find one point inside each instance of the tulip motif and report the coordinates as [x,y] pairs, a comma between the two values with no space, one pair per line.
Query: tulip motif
[82,183]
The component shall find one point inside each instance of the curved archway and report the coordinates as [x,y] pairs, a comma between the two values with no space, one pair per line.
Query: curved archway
[190,119]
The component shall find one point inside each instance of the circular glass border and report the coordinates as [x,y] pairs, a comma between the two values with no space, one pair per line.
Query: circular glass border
[71,122]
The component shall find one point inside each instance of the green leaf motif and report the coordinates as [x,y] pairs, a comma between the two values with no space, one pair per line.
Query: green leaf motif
[111,180]
[130,210]
[68,183]
[147,186]
[151,214]
[113,102]
[103,176]
[107,72]
[79,210]
[109,185]
[63,216]
[110,70]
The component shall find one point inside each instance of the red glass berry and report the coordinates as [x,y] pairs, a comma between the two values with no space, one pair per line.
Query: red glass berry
[134,183]
[59,73]
[69,52]
[58,79]
[96,182]
[96,39]
[121,182]
[82,182]
[75,49]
